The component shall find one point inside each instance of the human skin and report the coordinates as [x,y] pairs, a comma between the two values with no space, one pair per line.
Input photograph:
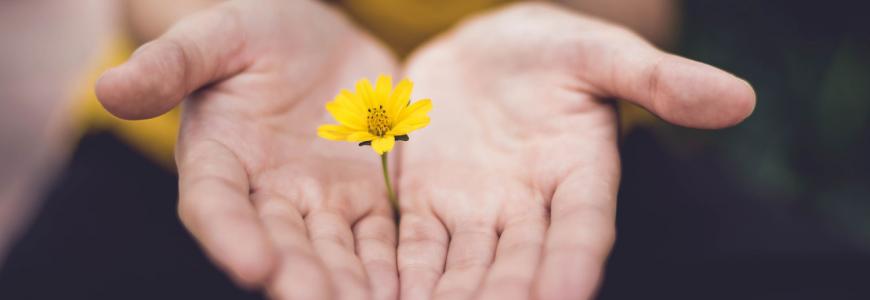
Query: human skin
[510,193]
[273,205]
[146,20]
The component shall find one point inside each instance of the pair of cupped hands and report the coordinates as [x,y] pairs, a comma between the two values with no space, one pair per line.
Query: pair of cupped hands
[509,193]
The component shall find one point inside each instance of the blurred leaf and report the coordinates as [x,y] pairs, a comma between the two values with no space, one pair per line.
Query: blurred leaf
[843,105]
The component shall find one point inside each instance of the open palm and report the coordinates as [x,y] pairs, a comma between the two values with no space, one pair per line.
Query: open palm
[511,191]
[270,202]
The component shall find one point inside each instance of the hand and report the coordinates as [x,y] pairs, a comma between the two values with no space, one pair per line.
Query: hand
[271,203]
[510,192]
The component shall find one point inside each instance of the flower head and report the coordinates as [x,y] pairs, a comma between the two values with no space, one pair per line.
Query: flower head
[378,116]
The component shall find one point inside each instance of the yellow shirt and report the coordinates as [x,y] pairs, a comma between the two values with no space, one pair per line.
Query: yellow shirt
[401,24]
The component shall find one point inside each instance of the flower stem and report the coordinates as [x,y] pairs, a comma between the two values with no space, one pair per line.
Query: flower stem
[394,202]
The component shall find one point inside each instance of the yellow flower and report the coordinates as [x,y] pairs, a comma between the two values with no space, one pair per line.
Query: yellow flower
[378,116]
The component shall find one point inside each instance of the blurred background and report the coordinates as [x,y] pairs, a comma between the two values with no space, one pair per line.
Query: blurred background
[777,207]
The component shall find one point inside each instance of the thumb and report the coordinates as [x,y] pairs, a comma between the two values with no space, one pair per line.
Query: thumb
[200,49]
[678,90]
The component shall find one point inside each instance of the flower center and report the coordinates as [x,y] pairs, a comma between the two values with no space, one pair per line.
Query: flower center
[378,122]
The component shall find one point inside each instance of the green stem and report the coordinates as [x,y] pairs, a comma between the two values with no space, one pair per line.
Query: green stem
[394,202]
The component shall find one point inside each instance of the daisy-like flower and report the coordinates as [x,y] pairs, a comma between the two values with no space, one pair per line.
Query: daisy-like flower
[376,117]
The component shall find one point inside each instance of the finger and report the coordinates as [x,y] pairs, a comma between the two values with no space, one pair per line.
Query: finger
[300,274]
[421,255]
[679,90]
[214,206]
[516,259]
[199,49]
[332,238]
[472,247]
[581,230]
[376,247]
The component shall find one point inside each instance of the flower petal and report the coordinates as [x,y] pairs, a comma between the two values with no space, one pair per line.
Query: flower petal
[360,136]
[346,115]
[352,101]
[409,125]
[364,91]
[334,132]
[382,90]
[383,144]
[399,99]
[417,109]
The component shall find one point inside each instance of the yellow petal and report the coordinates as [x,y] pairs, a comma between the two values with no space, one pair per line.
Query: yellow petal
[409,125]
[346,116]
[352,101]
[417,109]
[364,91]
[382,90]
[399,99]
[383,144]
[360,136]
[334,132]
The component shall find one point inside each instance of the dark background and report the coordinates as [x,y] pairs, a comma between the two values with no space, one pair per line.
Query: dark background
[775,208]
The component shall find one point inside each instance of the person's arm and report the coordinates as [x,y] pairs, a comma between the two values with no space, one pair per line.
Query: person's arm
[35,122]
